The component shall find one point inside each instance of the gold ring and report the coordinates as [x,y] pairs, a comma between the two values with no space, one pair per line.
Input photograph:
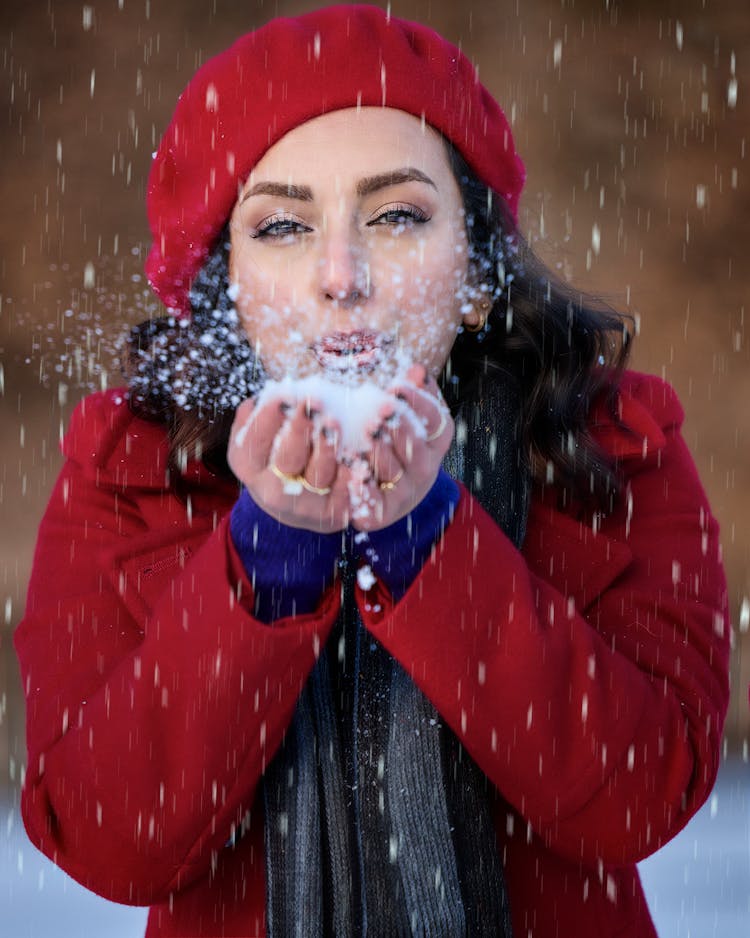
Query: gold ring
[313,488]
[293,485]
[443,421]
[387,486]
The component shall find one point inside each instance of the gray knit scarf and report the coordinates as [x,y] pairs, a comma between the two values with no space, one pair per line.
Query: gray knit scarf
[377,821]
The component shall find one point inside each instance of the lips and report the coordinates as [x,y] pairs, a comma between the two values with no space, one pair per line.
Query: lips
[359,351]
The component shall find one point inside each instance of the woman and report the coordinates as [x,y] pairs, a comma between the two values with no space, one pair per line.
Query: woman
[451,672]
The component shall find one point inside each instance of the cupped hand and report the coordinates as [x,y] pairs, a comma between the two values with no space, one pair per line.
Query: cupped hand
[392,479]
[285,455]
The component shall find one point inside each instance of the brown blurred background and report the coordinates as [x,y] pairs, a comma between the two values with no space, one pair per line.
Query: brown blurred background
[632,118]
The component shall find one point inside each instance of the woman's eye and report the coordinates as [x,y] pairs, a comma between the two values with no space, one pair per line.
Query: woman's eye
[280,227]
[400,216]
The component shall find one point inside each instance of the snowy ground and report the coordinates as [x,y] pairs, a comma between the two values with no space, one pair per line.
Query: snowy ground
[698,886]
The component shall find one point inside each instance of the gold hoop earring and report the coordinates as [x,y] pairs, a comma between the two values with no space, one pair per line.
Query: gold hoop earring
[477,326]
[482,310]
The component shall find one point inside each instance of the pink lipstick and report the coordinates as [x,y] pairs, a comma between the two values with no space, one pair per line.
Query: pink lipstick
[360,350]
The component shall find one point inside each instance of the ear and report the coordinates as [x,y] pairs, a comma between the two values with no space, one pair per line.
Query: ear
[472,317]
[476,304]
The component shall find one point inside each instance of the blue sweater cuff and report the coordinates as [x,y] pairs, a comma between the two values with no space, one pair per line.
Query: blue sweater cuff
[397,553]
[289,568]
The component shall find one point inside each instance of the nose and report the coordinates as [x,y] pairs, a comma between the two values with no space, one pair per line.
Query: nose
[344,269]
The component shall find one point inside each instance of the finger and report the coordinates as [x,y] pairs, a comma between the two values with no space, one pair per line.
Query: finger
[255,428]
[428,407]
[241,423]
[320,511]
[292,446]
[443,411]
[408,436]
[431,419]
[322,465]
[386,466]
[431,386]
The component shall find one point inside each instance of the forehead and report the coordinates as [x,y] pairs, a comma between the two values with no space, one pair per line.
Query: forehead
[352,143]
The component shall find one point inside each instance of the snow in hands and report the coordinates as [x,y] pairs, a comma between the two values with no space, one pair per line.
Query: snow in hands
[355,408]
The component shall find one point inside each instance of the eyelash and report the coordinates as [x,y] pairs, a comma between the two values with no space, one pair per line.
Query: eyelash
[400,215]
[282,226]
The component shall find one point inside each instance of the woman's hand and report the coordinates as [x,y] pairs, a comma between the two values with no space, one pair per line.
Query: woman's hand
[395,476]
[285,455]
[286,458]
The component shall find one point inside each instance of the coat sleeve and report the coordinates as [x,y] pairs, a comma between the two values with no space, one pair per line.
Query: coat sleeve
[154,699]
[590,685]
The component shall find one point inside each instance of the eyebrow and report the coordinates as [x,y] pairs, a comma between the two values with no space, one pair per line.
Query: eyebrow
[393,178]
[280,189]
[365,186]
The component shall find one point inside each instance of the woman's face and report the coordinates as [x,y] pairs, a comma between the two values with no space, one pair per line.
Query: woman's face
[349,249]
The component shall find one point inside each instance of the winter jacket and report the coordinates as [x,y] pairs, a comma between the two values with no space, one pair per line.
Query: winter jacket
[585,674]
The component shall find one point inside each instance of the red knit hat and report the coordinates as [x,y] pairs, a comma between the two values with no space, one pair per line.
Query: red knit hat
[276,78]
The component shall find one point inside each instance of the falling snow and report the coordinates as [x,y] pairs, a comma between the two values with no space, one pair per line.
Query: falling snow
[634,129]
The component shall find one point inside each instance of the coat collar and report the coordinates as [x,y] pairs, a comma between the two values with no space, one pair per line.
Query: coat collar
[121,450]
[629,429]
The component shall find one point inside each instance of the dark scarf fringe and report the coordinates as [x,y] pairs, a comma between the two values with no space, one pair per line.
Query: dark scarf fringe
[378,822]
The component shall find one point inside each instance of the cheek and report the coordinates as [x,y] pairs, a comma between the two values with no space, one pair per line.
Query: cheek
[256,285]
[261,295]
[270,315]
[431,307]
[282,347]
[433,279]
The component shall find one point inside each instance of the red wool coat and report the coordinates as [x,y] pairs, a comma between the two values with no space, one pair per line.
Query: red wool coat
[587,676]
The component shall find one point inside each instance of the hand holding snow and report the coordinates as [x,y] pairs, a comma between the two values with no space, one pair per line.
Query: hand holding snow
[354,408]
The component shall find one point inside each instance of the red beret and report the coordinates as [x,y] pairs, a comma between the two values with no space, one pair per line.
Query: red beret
[289,71]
